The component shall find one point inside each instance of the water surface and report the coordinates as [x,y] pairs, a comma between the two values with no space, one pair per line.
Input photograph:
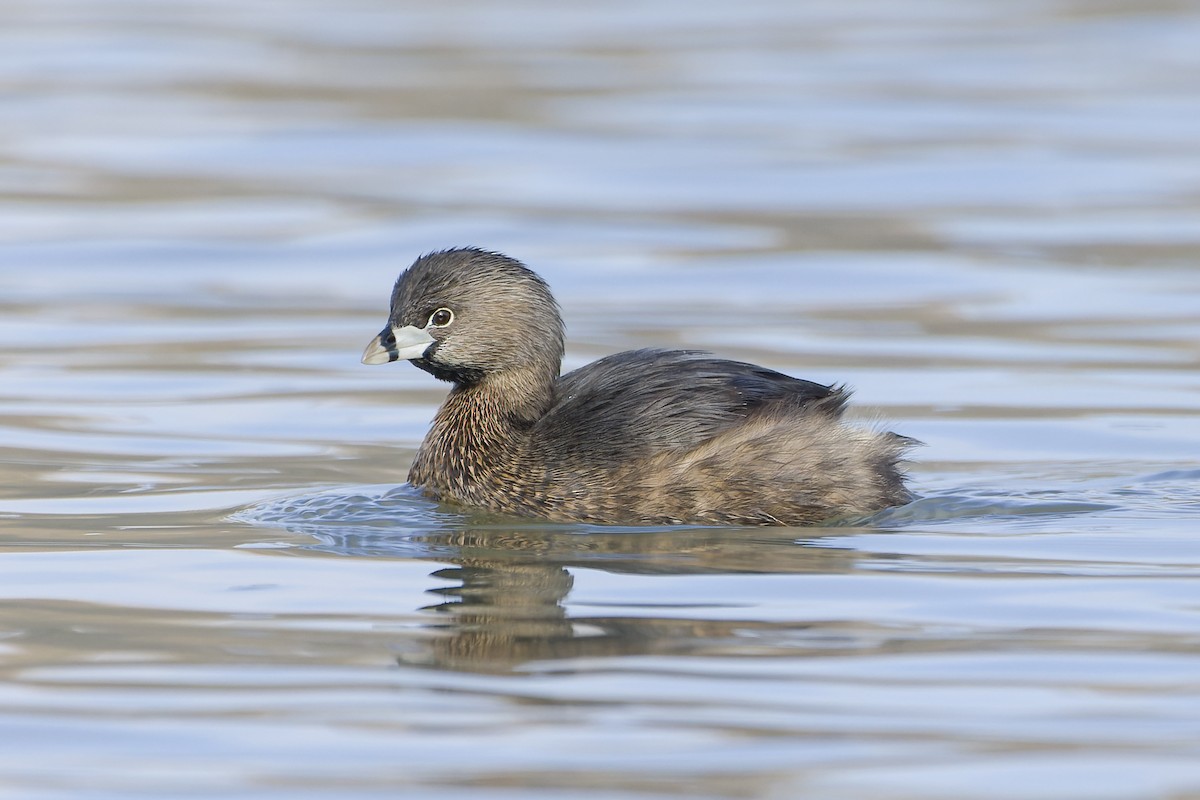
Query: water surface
[981,216]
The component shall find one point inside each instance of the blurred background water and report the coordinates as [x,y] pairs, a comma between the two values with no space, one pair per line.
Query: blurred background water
[983,216]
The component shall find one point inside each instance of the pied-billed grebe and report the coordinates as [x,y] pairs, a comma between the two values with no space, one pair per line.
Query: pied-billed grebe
[646,437]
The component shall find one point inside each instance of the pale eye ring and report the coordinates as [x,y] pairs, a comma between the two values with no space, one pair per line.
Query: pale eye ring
[440,318]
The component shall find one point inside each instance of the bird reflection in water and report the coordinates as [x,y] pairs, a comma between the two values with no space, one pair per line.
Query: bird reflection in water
[508,607]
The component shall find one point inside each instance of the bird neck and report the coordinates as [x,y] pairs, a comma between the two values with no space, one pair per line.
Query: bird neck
[502,403]
[481,429]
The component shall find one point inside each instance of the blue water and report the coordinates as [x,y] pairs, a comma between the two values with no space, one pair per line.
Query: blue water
[213,582]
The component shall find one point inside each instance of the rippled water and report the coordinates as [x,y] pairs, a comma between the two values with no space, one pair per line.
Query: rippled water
[985,217]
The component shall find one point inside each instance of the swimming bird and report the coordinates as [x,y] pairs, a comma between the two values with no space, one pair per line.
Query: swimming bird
[644,437]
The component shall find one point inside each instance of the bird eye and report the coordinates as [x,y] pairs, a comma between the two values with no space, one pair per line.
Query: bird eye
[441,318]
